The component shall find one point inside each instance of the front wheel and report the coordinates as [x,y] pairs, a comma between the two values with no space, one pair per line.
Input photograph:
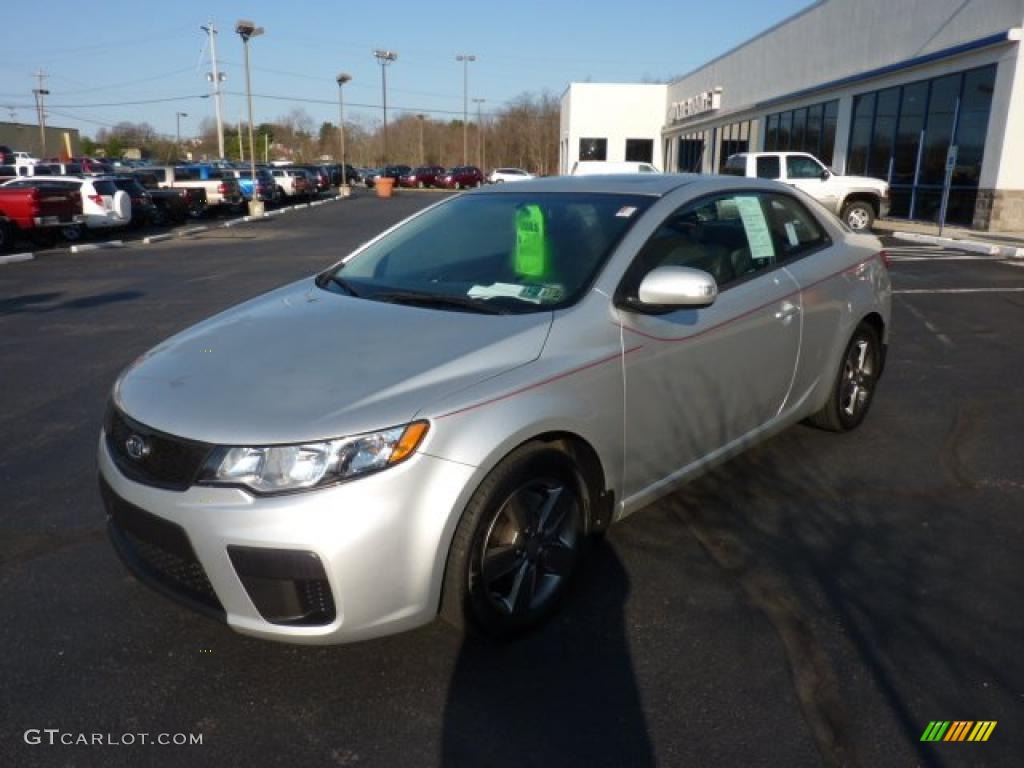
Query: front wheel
[518,544]
[72,233]
[859,216]
[855,383]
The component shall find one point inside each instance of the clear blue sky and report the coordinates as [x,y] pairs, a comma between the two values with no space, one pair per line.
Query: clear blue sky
[138,50]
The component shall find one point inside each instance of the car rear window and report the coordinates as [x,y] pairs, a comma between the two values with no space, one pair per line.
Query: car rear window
[105,187]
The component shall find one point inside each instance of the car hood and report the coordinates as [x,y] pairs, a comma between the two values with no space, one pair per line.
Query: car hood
[301,364]
[863,181]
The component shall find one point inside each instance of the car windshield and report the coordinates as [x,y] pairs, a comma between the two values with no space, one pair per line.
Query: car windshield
[508,252]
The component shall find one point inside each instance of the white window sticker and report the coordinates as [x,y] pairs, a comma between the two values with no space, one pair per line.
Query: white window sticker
[758,236]
[791,234]
[626,211]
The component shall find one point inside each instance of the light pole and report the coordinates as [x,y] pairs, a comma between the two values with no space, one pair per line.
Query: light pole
[177,132]
[216,78]
[465,58]
[246,30]
[385,58]
[343,77]
[480,156]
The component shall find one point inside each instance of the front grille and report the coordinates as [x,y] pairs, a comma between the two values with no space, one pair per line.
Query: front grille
[171,462]
[159,552]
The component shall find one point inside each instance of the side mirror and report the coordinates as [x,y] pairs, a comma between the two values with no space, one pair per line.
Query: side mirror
[667,288]
[825,174]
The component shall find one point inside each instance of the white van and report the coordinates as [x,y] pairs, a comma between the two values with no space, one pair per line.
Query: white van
[598,167]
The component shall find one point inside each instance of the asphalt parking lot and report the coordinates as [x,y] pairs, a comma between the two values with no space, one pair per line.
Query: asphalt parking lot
[817,601]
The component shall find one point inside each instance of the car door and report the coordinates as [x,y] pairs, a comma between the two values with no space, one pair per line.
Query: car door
[698,380]
[807,174]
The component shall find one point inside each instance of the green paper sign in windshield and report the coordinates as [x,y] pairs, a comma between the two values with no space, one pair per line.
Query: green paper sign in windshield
[531,257]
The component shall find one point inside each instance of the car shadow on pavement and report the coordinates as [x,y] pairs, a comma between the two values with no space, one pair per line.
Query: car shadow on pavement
[562,696]
[38,303]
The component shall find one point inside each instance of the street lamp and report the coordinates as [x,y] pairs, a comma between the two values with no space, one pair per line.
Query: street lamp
[385,58]
[465,58]
[343,77]
[177,132]
[480,156]
[246,30]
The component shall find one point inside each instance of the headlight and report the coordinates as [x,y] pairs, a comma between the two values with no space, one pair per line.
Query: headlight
[282,468]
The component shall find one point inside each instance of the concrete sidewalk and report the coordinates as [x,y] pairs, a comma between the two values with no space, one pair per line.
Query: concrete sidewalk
[1006,244]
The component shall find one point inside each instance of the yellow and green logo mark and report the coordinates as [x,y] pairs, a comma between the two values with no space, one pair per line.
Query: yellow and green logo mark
[958,730]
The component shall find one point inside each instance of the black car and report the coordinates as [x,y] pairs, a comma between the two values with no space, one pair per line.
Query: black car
[6,155]
[143,209]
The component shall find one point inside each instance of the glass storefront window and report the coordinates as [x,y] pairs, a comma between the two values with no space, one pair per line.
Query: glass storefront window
[808,129]
[903,134]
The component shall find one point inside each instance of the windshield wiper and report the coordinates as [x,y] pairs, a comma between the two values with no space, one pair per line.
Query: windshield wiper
[341,282]
[434,300]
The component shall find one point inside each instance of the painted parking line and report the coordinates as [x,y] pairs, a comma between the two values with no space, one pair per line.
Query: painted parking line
[942,338]
[908,291]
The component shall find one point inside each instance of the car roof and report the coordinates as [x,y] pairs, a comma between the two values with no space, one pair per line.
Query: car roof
[652,184]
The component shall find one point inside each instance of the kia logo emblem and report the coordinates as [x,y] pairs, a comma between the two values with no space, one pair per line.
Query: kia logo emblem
[137,447]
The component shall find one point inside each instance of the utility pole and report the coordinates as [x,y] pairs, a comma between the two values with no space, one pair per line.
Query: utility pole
[421,117]
[480,152]
[241,147]
[248,30]
[216,78]
[465,58]
[40,94]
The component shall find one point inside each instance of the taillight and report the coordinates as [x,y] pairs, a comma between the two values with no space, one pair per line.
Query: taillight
[98,199]
[222,188]
[884,256]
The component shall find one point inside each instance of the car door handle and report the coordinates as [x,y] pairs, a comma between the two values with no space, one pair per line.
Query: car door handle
[787,311]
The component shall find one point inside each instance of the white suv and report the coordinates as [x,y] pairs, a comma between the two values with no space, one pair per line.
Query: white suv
[857,200]
[501,175]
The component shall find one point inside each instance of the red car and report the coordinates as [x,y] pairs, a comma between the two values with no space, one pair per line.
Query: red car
[424,176]
[461,177]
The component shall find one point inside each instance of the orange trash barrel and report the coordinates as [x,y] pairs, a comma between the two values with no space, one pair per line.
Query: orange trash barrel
[385,186]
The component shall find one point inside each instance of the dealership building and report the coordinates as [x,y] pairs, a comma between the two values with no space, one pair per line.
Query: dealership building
[884,88]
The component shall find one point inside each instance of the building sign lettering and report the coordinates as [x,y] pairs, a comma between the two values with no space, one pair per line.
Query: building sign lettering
[706,101]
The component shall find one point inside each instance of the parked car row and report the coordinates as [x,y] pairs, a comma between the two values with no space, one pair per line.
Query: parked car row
[439,177]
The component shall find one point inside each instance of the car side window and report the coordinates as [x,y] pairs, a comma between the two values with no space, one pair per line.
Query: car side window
[768,167]
[794,230]
[798,167]
[727,236]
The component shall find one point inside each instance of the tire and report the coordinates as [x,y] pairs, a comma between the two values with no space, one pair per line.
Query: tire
[72,233]
[532,554]
[859,216]
[854,385]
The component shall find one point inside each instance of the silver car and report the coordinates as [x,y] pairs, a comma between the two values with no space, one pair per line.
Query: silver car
[437,423]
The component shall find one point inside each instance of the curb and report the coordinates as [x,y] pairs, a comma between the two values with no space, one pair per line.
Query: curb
[973,246]
[191,231]
[97,246]
[155,239]
[13,258]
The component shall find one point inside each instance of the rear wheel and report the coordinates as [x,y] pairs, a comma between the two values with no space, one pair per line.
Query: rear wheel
[518,544]
[72,233]
[6,236]
[855,383]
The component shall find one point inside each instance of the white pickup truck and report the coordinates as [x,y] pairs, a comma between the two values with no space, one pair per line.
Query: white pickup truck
[857,200]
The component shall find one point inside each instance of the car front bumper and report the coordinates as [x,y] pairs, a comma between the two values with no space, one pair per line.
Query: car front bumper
[349,562]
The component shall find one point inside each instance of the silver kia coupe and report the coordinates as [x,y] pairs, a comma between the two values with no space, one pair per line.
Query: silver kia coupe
[439,422]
